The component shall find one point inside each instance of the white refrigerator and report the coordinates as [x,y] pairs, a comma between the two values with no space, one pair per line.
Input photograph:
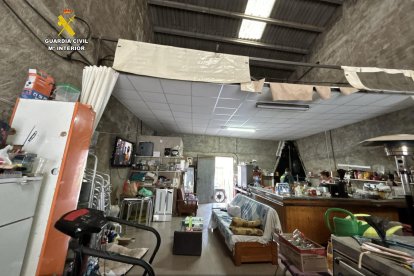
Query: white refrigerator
[163,204]
[61,133]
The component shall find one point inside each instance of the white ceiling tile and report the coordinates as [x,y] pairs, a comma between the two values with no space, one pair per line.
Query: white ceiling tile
[201,116]
[391,100]
[367,99]
[158,106]
[259,119]
[369,109]
[148,84]
[153,97]
[221,117]
[178,114]
[228,103]
[164,114]
[178,99]
[216,123]
[224,111]
[345,109]
[195,114]
[201,89]
[202,110]
[133,103]
[180,108]
[203,101]
[126,94]
[233,92]
[176,87]
[265,96]
[123,83]
[319,108]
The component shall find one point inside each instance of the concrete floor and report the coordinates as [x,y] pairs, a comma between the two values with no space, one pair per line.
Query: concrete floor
[214,260]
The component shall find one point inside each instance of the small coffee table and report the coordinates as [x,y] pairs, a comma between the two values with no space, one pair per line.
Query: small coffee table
[188,241]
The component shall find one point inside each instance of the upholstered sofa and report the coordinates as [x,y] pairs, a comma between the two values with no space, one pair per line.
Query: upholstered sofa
[246,249]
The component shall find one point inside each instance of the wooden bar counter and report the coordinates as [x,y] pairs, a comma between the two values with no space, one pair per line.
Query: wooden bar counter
[307,213]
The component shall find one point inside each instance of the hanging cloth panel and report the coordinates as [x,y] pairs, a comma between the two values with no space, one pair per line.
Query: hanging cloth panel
[252,86]
[291,92]
[97,86]
[380,79]
[180,64]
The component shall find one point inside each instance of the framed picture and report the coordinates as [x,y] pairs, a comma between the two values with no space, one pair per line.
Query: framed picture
[123,153]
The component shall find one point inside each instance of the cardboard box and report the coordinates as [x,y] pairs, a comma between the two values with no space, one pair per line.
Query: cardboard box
[306,260]
[39,85]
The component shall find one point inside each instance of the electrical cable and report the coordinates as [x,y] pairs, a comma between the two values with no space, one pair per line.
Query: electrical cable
[54,27]
[37,37]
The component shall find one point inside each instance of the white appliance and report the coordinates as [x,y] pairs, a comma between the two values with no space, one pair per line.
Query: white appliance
[61,133]
[18,199]
[163,204]
[244,175]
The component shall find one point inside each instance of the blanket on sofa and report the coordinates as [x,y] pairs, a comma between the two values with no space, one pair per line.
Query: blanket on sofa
[250,210]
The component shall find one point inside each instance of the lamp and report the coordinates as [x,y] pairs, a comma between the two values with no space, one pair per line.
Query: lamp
[282,106]
[239,129]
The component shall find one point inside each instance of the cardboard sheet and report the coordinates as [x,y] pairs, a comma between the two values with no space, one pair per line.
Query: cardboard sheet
[179,63]
[380,79]
[252,86]
[291,92]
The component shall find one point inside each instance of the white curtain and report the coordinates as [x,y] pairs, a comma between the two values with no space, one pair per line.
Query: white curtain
[97,86]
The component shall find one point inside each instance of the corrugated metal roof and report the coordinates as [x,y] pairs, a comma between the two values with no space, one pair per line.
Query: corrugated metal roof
[194,22]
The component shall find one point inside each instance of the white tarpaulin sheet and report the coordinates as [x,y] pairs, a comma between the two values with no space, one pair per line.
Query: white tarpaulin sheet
[380,79]
[180,64]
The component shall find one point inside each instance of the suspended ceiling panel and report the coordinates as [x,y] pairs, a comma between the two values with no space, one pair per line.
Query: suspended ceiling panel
[204,108]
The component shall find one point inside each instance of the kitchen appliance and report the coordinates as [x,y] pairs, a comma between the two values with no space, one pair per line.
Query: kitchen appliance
[64,131]
[268,180]
[339,188]
[189,180]
[167,152]
[163,204]
[244,175]
[18,200]
[145,149]
[175,152]
[401,146]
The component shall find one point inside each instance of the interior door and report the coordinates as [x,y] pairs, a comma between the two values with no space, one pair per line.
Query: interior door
[205,179]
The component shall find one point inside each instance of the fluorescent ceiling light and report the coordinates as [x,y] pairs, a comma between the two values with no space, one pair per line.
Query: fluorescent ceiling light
[251,29]
[354,166]
[282,106]
[261,8]
[239,129]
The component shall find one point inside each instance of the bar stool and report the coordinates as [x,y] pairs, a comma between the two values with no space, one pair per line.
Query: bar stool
[130,202]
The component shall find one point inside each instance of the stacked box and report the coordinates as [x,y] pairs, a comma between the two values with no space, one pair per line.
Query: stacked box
[306,260]
[39,85]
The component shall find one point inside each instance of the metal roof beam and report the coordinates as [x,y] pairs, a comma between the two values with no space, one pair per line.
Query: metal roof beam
[231,40]
[218,12]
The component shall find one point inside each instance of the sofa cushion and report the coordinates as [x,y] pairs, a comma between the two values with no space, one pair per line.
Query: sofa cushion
[239,222]
[252,209]
[246,231]
[233,210]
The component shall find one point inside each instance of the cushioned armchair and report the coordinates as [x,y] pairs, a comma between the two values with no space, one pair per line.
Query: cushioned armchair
[187,203]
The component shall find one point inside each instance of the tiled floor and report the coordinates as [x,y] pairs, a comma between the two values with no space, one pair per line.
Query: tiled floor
[214,260]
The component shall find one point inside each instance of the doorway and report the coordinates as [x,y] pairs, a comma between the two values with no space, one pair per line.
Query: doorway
[215,179]
[223,179]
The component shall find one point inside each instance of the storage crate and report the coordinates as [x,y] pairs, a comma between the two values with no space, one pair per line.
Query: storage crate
[306,260]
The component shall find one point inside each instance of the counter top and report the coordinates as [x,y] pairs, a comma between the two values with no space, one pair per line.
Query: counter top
[324,201]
